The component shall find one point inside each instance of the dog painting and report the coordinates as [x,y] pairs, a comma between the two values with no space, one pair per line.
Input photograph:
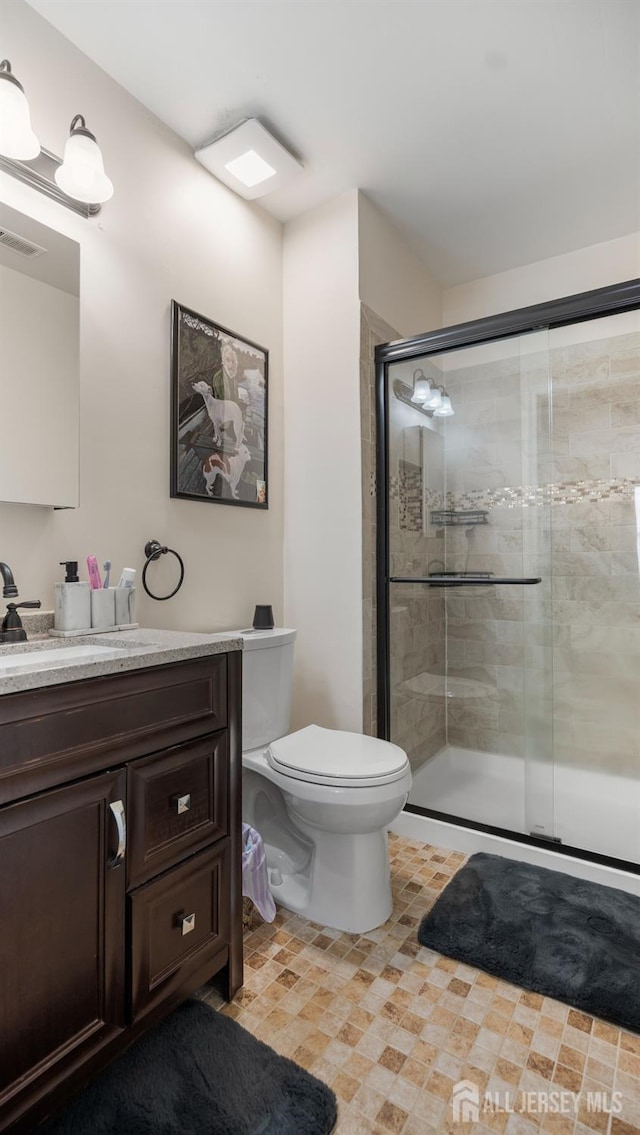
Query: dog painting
[219,384]
[229,468]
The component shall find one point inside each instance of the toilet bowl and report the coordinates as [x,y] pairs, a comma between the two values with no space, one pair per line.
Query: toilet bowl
[326,833]
[322,799]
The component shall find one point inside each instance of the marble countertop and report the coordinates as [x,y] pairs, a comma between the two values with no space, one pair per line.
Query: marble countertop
[115,653]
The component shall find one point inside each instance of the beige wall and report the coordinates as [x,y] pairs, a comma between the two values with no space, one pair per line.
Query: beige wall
[399,298]
[323,547]
[595,267]
[393,282]
[170,231]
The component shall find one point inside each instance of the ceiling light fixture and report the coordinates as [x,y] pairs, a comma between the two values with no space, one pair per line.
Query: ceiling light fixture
[81,174]
[17,139]
[250,168]
[248,159]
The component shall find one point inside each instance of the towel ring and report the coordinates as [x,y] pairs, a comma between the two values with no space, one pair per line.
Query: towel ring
[153,549]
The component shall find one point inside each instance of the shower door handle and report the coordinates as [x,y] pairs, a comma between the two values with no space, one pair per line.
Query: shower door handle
[466,581]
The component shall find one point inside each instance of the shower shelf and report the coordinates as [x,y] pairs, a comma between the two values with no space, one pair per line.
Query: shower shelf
[451,580]
[457,518]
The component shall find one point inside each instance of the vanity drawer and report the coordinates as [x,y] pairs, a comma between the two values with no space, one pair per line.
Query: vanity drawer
[178,804]
[63,732]
[179,924]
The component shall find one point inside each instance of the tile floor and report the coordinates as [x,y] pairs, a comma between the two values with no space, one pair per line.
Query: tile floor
[392,1027]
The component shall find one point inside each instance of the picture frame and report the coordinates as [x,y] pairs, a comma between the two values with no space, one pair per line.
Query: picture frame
[219,413]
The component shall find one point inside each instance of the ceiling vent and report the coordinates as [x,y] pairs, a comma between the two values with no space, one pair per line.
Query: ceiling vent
[18,244]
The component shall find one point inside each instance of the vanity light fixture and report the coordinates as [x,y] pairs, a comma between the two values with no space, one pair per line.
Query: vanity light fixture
[81,174]
[421,388]
[445,409]
[435,401]
[426,396]
[17,139]
[248,159]
[79,182]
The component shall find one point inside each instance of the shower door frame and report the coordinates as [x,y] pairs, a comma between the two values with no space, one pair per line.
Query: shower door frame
[615,299]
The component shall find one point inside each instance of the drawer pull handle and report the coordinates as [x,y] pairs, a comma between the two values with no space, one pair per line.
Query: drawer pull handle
[187,923]
[182,803]
[118,813]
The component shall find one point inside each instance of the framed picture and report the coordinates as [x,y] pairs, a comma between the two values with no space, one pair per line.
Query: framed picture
[219,387]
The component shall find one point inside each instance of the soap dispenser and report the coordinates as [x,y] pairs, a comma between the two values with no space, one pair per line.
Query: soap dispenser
[72,601]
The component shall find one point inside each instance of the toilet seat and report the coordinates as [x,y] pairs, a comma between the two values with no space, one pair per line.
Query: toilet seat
[337,758]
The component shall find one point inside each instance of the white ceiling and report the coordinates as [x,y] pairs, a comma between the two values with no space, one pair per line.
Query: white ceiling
[493,132]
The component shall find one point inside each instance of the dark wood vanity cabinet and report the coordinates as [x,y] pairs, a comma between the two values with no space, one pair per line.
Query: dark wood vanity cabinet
[120,875]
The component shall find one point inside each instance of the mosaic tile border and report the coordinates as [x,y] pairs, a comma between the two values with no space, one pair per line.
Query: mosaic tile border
[522,496]
[562,492]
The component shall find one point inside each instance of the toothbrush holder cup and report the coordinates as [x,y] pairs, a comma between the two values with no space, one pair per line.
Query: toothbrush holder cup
[103,610]
[125,605]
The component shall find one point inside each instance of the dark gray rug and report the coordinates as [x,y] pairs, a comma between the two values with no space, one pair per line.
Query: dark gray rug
[548,932]
[199,1073]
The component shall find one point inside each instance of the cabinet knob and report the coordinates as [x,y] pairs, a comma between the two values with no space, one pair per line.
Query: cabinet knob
[187,923]
[182,803]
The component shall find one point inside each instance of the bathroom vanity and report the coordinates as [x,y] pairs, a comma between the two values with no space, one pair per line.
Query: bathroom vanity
[120,851]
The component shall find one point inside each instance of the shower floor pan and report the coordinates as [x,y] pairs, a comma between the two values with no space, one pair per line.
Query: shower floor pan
[592,810]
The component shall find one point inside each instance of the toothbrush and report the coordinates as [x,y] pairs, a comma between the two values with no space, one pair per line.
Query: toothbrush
[94,573]
[106,567]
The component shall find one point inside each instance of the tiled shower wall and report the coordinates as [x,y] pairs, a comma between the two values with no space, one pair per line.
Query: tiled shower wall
[417,615]
[551,670]
[596,548]
[559,664]
[494,446]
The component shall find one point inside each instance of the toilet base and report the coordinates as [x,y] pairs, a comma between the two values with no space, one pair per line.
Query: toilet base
[338,878]
[349,886]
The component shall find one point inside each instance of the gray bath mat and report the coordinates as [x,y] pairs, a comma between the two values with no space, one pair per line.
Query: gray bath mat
[200,1073]
[548,932]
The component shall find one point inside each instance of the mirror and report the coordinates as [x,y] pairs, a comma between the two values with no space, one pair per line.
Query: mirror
[39,363]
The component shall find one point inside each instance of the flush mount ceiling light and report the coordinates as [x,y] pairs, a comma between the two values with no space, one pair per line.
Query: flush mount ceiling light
[81,174]
[248,159]
[17,139]
[79,182]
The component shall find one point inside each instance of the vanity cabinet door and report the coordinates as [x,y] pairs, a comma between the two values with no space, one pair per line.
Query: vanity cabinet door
[62,905]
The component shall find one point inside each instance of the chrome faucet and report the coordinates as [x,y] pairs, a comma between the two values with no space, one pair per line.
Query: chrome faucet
[9,589]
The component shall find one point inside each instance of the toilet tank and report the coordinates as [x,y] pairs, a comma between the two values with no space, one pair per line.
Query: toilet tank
[267,682]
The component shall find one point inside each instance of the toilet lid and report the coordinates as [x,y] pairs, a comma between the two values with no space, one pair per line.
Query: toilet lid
[333,755]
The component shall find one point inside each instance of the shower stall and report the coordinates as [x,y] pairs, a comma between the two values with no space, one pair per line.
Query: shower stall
[508,579]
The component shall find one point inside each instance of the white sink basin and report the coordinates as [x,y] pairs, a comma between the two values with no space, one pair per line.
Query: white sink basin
[23,662]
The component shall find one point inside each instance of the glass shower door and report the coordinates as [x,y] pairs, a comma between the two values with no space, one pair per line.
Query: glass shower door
[469,538]
[595,472]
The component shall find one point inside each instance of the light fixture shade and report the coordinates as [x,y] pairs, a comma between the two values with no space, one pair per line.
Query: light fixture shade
[17,139]
[248,159]
[421,390]
[81,174]
[435,399]
[445,409]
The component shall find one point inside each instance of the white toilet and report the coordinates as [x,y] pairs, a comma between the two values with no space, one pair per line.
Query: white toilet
[321,799]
